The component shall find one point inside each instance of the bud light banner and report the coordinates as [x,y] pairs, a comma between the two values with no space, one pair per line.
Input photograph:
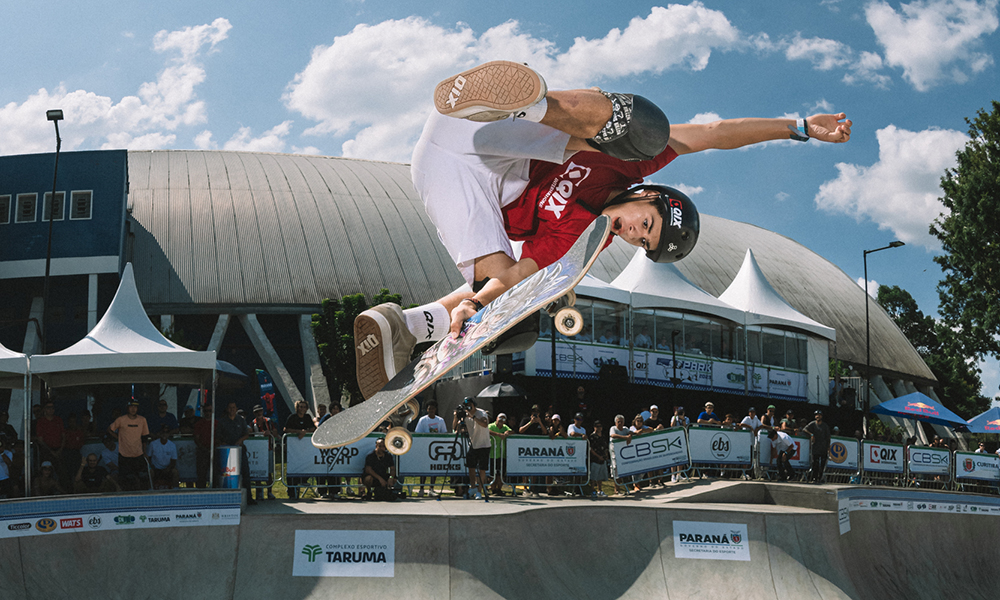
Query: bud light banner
[800,458]
[433,454]
[929,461]
[975,465]
[651,452]
[529,455]
[844,455]
[881,457]
[330,553]
[305,460]
[709,445]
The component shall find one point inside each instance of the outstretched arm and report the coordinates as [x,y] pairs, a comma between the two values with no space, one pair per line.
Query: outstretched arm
[727,134]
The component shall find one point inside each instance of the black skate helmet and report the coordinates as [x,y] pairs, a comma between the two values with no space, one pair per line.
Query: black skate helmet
[679,230]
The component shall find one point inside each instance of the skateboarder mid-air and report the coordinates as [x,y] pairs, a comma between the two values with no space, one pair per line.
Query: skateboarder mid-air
[503,158]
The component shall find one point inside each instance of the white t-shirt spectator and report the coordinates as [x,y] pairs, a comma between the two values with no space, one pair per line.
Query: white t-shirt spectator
[753,423]
[678,421]
[574,431]
[479,435]
[161,454]
[428,425]
[781,443]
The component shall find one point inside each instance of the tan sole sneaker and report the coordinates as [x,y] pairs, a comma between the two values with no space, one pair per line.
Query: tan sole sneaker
[490,92]
[382,346]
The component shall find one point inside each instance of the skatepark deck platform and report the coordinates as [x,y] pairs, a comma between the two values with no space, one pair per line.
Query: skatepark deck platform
[545,548]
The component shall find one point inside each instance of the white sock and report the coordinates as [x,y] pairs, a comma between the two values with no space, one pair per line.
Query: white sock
[428,323]
[535,112]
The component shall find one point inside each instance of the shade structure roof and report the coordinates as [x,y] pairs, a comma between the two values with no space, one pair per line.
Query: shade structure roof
[13,365]
[752,292]
[124,347]
[662,285]
[593,287]
[987,422]
[920,407]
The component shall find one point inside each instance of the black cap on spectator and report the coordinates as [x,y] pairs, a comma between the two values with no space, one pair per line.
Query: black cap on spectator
[578,416]
[258,407]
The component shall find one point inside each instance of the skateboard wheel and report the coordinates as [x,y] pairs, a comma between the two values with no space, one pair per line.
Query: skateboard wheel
[570,298]
[398,441]
[411,409]
[569,321]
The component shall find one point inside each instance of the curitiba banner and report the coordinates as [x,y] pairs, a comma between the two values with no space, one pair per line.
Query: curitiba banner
[651,452]
[975,465]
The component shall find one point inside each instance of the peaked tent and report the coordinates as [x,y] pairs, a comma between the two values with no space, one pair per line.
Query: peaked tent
[662,285]
[987,422]
[920,407]
[750,291]
[13,366]
[592,287]
[124,347]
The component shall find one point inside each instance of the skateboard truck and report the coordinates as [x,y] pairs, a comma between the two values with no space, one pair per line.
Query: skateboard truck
[567,318]
[398,439]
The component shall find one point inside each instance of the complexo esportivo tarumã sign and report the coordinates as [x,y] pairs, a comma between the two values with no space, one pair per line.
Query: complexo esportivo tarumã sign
[535,455]
[711,541]
[344,553]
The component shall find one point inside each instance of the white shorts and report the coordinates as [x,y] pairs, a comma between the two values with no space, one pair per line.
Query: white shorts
[465,172]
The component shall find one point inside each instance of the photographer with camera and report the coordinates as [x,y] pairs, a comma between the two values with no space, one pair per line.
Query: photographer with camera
[476,425]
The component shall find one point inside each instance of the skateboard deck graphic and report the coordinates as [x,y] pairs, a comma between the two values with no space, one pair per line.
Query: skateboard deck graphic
[534,293]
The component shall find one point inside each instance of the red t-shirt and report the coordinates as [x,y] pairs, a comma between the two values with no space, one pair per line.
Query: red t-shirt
[50,431]
[548,217]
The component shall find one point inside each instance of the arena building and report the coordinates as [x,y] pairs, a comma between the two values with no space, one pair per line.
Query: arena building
[234,251]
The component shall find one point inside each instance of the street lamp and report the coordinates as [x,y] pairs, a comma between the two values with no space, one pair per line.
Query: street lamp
[55,116]
[868,333]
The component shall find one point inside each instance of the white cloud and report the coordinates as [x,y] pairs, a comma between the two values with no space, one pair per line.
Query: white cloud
[702,118]
[899,192]
[146,120]
[271,141]
[827,55]
[934,41]
[871,287]
[374,84]
[690,190]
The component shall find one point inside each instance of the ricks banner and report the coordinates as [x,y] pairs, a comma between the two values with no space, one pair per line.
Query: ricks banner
[432,455]
[844,455]
[975,465]
[529,455]
[651,452]
[710,445]
[305,460]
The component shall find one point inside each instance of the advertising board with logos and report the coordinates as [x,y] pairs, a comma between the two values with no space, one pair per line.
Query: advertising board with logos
[710,445]
[800,459]
[305,460]
[844,455]
[929,461]
[434,455]
[537,456]
[977,465]
[118,521]
[882,457]
[651,452]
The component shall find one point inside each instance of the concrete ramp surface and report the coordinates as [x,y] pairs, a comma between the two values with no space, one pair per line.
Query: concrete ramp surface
[512,548]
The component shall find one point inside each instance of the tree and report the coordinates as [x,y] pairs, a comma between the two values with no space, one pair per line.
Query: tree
[970,238]
[941,349]
[333,329]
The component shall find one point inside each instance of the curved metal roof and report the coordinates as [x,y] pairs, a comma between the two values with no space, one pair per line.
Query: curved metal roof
[238,232]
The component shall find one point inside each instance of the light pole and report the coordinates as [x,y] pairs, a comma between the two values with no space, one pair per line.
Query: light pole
[55,116]
[868,335]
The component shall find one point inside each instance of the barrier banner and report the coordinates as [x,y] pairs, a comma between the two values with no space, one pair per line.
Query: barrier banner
[844,455]
[117,521]
[976,465]
[328,553]
[261,463]
[882,457]
[529,455]
[929,461]
[691,371]
[432,455]
[302,459]
[799,460]
[720,446]
[651,452]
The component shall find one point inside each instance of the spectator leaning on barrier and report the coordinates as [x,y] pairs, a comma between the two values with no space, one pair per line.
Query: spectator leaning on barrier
[129,429]
[477,458]
[618,432]
[162,455]
[781,449]
[432,422]
[233,431]
[92,478]
[577,430]
[819,445]
[708,416]
[770,420]
[982,448]
[598,459]
[298,423]
[499,432]
[533,425]
[679,419]
[751,422]
[788,423]
[380,474]
[556,429]
[654,421]
[638,428]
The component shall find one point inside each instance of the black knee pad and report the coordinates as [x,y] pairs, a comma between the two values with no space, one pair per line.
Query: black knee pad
[638,129]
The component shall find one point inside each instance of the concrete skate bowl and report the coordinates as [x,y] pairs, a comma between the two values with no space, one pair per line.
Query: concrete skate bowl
[513,549]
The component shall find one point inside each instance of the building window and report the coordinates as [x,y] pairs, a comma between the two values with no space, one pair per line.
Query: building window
[80,205]
[57,211]
[5,209]
[26,205]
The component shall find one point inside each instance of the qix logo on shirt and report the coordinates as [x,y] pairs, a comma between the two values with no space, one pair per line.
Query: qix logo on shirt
[563,188]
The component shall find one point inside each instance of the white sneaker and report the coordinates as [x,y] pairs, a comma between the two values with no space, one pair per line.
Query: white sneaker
[478,495]
[491,91]
[382,346]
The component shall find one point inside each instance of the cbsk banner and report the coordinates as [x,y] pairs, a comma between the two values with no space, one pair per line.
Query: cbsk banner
[651,452]
[929,461]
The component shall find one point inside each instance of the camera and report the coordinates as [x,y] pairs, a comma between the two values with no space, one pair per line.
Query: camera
[460,412]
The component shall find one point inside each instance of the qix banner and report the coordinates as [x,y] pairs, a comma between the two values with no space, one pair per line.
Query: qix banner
[882,457]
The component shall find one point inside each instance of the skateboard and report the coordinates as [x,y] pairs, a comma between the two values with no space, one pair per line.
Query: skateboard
[550,287]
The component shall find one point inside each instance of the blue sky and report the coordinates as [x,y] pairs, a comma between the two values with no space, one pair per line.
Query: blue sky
[354,78]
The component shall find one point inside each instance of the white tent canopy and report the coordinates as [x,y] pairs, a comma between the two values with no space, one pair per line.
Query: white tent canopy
[592,287]
[752,292]
[124,347]
[662,285]
[13,366]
